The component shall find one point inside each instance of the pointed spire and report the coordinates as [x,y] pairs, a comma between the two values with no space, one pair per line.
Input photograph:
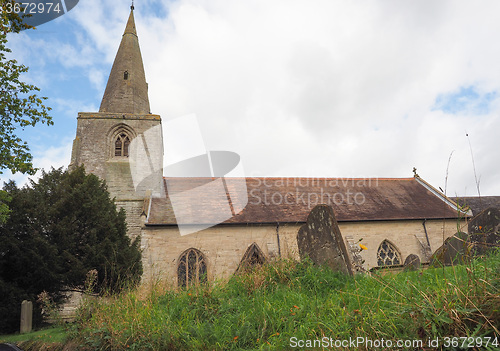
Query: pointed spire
[130,28]
[127,90]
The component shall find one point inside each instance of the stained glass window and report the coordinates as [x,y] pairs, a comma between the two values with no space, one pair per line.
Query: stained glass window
[192,269]
[122,143]
[388,255]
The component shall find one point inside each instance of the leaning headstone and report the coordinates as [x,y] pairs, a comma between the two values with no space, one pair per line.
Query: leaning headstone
[485,231]
[354,250]
[455,250]
[412,262]
[321,241]
[26,316]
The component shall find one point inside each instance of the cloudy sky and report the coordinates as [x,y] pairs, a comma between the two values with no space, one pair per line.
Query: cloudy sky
[317,88]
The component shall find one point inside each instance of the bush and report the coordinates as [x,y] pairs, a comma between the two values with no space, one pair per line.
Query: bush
[58,230]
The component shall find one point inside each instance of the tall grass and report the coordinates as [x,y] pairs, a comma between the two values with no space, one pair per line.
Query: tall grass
[263,309]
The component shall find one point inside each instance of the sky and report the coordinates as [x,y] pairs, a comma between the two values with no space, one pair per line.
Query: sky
[316,88]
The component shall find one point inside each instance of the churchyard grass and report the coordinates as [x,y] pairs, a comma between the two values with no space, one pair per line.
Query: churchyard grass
[270,306]
[49,335]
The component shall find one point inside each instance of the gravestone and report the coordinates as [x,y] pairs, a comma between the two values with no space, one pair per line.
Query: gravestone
[320,240]
[485,231]
[412,263]
[26,316]
[455,250]
[354,249]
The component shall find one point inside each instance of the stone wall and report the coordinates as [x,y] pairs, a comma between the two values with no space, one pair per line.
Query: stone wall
[407,236]
[222,246]
[93,145]
[128,178]
[133,211]
[225,245]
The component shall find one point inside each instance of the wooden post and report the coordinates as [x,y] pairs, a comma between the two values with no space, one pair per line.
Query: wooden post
[26,316]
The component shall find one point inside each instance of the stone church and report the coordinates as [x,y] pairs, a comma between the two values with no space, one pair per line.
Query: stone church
[122,143]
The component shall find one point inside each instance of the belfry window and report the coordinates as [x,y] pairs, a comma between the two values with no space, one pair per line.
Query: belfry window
[125,75]
[122,143]
[192,269]
[388,255]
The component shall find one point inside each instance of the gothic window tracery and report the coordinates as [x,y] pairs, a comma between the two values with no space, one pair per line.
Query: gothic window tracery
[388,254]
[122,142]
[192,268]
[253,257]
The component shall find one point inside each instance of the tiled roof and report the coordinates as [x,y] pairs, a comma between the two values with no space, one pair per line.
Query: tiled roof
[289,200]
[477,204]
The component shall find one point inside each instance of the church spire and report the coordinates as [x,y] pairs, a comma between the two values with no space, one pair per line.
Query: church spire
[127,90]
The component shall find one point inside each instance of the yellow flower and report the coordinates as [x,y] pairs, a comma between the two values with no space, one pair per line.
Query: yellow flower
[363,247]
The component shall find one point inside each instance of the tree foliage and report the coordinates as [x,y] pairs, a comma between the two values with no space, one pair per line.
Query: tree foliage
[61,228]
[4,206]
[20,106]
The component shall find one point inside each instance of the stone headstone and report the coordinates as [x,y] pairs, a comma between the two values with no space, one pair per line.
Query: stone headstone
[485,231]
[320,240]
[354,250]
[26,316]
[454,251]
[412,263]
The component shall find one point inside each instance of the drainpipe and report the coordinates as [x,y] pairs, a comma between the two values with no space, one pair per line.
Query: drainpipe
[426,236]
[278,238]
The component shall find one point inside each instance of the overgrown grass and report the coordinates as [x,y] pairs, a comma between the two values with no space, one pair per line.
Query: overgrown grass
[285,299]
[49,335]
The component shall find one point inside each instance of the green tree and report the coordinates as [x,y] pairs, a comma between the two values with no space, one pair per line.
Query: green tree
[20,106]
[59,229]
[4,206]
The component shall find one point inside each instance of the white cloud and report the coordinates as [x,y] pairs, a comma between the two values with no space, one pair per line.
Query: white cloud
[320,87]
[330,88]
[55,157]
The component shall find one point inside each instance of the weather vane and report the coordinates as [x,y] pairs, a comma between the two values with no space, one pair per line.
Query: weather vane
[132,6]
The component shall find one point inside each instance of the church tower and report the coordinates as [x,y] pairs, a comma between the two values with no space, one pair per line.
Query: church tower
[122,143]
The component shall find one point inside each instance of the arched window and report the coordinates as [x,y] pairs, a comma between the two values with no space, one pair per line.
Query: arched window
[122,142]
[192,269]
[388,255]
[252,257]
